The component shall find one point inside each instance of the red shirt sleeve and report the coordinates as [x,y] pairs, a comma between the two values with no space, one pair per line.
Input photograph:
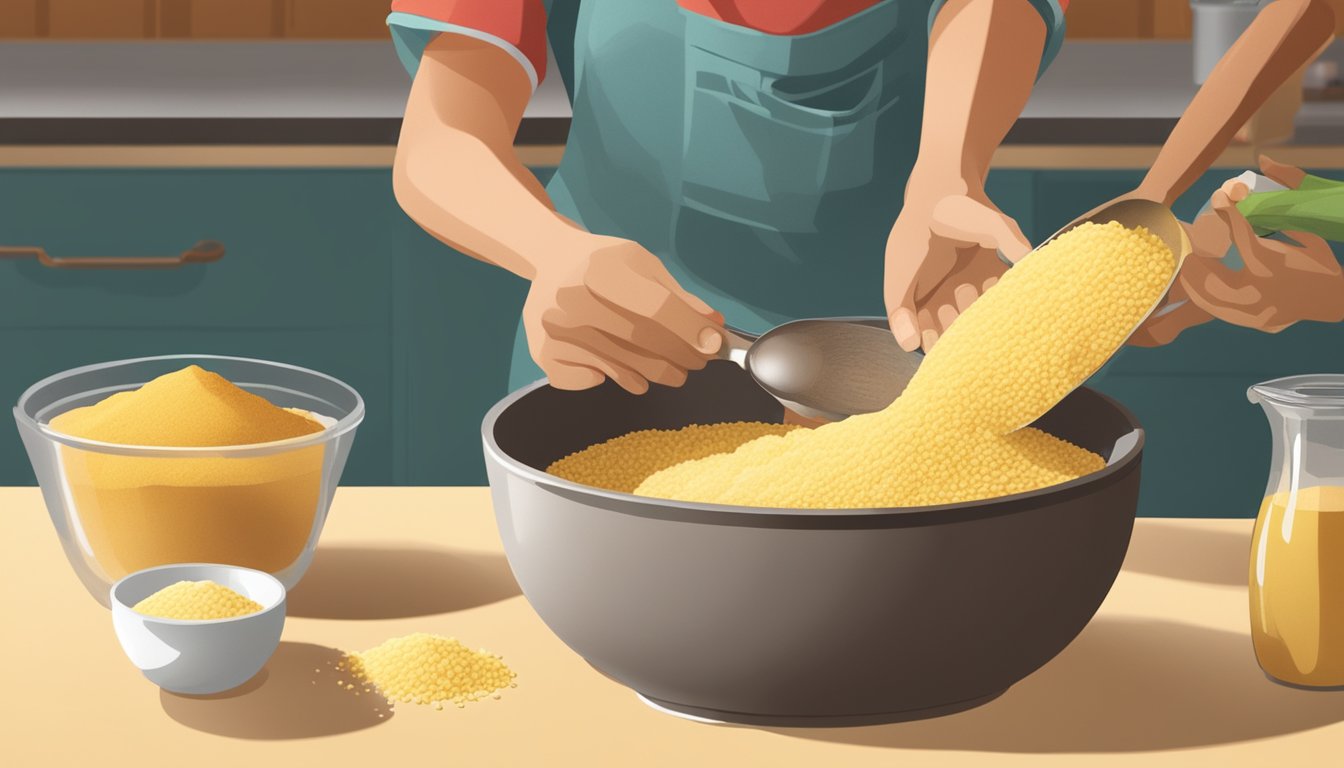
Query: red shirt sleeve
[519,24]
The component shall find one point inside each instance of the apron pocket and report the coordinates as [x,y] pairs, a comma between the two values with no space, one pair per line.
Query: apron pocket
[793,159]
[763,157]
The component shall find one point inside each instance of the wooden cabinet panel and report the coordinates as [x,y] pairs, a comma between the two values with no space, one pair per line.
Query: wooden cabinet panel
[1338,5]
[1109,18]
[102,18]
[1171,19]
[337,18]
[18,19]
[239,19]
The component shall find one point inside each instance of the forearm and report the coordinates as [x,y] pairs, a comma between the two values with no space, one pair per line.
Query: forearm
[477,200]
[983,60]
[1284,36]
[456,173]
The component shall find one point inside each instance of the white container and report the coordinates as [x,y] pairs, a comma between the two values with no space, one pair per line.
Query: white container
[1217,25]
[199,657]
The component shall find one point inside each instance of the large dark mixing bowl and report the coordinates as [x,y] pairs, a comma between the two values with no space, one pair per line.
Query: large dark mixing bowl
[802,617]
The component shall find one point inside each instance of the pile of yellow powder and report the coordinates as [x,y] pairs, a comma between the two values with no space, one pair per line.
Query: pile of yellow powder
[196,601]
[192,407]
[138,512]
[428,669]
[622,463]
[955,434]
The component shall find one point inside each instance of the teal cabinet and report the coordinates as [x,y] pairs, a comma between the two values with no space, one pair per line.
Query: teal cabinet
[323,270]
[1208,451]
[455,320]
[304,248]
[306,278]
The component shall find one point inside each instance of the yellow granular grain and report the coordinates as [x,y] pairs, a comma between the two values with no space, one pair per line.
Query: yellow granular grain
[192,407]
[198,601]
[429,669]
[954,435]
[138,512]
[622,463]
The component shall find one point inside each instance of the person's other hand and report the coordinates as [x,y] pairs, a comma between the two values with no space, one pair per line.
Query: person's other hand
[1282,283]
[603,307]
[941,256]
[1173,316]
[1176,313]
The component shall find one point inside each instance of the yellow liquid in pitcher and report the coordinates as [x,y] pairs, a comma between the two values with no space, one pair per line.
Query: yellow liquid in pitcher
[1297,586]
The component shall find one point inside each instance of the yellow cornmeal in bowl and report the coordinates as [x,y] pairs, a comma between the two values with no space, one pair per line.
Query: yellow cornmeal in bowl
[197,601]
[427,669]
[622,463]
[955,435]
[137,512]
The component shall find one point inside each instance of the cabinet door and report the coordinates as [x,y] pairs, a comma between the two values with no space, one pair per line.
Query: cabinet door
[1207,450]
[1013,191]
[306,278]
[455,323]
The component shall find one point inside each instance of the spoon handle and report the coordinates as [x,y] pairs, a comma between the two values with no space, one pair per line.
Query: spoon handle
[735,345]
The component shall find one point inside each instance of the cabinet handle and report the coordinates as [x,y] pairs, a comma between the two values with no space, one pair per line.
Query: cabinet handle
[203,252]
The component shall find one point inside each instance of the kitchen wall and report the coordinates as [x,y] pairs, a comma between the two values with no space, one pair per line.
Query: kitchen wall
[198,19]
[1144,19]
[346,19]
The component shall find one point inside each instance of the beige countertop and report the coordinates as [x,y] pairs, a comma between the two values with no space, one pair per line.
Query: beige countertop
[1164,675]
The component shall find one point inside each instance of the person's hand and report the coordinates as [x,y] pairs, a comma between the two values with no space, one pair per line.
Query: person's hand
[941,256]
[1208,239]
[602,307]
[1281,284]
[1173,316]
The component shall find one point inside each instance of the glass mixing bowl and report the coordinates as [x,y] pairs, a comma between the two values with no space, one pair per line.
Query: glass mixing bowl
[123,508]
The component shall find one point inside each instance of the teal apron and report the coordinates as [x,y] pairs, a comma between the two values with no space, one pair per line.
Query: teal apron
[764,170]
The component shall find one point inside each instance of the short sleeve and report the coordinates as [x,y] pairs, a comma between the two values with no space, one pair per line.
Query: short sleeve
[1052,12]
[517,27]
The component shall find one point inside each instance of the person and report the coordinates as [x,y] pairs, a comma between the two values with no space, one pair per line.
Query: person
[1281,284]
[739,161]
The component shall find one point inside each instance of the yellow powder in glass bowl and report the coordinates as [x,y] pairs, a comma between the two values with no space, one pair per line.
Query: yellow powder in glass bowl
[137,512]
[197,601]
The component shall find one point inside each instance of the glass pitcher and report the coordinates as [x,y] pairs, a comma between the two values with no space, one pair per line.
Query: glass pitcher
[1297,551]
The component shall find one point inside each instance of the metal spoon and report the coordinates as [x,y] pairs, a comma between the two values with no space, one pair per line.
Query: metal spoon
[834,368]
[825,369]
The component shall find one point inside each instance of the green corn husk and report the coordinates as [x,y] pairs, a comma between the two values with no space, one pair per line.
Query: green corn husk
[1316,206]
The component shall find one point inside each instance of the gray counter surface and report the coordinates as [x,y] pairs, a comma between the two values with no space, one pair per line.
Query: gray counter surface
[1128,92]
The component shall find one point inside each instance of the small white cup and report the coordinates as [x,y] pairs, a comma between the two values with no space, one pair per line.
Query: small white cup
[199,657]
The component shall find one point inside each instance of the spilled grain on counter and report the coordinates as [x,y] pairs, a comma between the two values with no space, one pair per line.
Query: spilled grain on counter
[427,669]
